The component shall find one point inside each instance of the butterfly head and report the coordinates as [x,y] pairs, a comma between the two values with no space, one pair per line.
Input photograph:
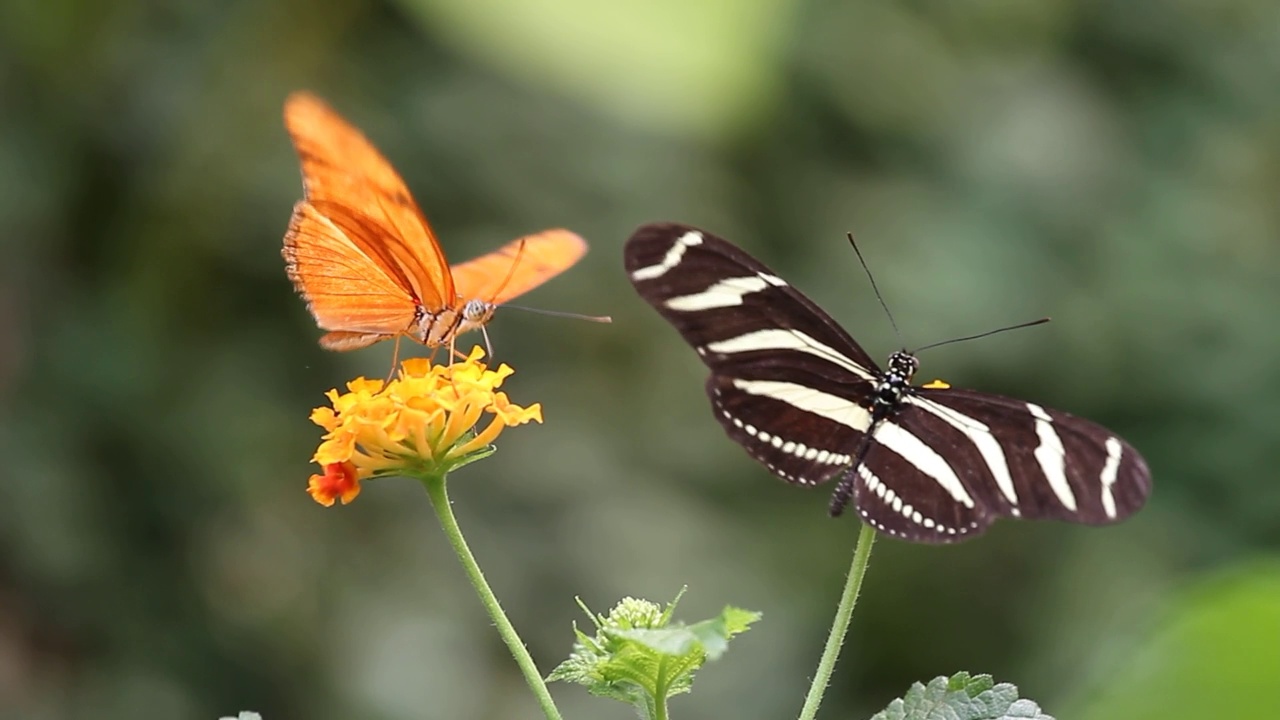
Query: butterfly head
[894,382]
[476,314]
[903,364]
[440,328]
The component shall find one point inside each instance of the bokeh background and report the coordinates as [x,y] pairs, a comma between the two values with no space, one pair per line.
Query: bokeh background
[1113,164]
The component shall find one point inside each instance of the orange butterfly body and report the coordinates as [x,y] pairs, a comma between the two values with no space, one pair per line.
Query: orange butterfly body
[360,252]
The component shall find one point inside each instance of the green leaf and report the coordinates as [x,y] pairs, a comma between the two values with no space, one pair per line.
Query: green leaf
[961,697]
[640,657]
[1214,652]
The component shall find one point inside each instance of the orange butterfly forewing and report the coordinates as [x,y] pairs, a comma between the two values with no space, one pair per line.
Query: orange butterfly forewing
[360,252]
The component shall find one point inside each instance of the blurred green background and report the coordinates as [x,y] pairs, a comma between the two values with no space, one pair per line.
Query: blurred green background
[1113,164]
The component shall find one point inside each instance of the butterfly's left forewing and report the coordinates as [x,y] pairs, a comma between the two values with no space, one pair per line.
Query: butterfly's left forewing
[780,367]
[1050,464]
[518,267]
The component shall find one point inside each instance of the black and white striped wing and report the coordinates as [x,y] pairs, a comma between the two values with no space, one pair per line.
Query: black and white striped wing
[781,369]
[922,464]
[952,461]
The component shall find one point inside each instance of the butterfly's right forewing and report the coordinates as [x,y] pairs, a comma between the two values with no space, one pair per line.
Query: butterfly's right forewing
[780,367]
[342,169]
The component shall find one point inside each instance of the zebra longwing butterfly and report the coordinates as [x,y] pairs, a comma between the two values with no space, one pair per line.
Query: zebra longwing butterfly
[926,463]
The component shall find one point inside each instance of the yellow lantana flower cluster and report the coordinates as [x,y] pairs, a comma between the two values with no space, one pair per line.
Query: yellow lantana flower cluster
[423,422]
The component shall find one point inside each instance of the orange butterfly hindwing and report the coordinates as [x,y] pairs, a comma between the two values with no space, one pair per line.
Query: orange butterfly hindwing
[361,253]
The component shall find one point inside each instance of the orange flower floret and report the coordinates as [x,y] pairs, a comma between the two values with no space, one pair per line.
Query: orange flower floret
[425,421]
[340,481]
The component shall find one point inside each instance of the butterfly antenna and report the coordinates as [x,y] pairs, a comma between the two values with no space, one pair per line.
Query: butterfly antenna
[1019,326]
[558,313]
[511,272]
[876,289]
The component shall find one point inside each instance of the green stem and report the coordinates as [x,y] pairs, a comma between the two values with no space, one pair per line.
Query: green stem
[861,555]
[444,511]
[660,691]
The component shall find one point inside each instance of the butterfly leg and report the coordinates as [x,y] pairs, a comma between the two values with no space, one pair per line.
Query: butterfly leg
[454,355]
[395,359]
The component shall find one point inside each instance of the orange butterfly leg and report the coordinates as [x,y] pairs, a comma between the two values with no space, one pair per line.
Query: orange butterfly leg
[454,354]
[395,359]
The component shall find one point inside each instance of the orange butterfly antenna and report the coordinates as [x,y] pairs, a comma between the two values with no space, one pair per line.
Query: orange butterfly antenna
[511,273]
[563,314]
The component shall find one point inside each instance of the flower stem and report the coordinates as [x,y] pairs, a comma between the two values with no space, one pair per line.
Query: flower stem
[435,485]
[660,692]
[861,556]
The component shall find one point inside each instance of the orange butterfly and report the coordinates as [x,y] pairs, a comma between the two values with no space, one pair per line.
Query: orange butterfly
[362,255]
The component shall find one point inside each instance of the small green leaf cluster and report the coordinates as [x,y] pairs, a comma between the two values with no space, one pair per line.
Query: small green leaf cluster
[640,657]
